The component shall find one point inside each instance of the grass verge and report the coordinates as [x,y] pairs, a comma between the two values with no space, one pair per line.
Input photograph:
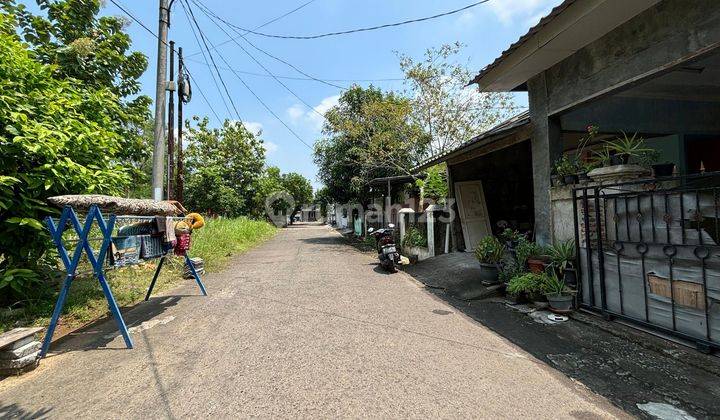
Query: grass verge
[216,243]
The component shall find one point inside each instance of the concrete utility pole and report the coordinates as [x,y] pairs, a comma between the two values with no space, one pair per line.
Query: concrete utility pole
[171,126]
[180,184]
[160,87]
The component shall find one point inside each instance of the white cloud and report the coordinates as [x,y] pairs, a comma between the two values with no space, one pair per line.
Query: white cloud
[270,147]
[300,114]
[253,127]
[466,19]
[295,112]
[525,12]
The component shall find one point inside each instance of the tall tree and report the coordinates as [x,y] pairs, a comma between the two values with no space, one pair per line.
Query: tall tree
[448,110]
[369,134]
[232,157]
[57,136]
[79,44]
[299,188]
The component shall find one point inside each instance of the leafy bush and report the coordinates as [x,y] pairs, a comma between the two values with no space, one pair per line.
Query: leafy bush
[527,283]
[434,186]
[56,137]
[490,250]
[528,249]
[414,237]
[562,254]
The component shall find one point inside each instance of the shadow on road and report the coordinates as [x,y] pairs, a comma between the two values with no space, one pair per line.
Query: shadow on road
[98,334]
[13,411]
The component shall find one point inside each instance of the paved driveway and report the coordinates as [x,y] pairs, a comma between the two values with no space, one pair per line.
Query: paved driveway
[302,326]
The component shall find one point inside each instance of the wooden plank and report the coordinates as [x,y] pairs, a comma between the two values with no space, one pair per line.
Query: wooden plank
[10,337]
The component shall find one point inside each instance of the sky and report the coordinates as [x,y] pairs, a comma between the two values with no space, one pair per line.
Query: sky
[366,58]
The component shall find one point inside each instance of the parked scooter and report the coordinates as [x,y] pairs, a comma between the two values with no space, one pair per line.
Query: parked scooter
[387,251]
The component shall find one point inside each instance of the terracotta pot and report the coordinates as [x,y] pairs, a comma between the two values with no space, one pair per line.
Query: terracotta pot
[536,265]
[663,169]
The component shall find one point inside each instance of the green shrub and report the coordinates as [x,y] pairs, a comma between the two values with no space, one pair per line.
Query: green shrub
[528,249]
[490,250]
[56,137]
[527,283]
[414,237]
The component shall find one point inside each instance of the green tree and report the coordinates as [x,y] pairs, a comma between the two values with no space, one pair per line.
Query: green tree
[56,137]
[299,188]
[323,199]
[369,134]
[449,111]
[434,186]
[233,157]
[94,50]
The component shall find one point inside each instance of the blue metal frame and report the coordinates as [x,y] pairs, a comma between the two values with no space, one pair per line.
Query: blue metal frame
[96,260]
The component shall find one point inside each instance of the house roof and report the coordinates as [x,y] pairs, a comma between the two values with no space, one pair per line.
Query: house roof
[498,132]
[568,27]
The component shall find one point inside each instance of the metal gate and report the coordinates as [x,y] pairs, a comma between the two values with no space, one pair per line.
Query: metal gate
[648,253]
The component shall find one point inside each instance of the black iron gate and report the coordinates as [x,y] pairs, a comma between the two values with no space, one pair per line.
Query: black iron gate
[648,253]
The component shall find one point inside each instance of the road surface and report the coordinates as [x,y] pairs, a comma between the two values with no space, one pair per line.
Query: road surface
[302,326]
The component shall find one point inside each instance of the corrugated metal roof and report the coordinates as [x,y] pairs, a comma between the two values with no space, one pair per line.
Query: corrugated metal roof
[544,21]
[504,128]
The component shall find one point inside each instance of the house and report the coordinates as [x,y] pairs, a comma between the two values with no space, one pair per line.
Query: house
[647,248]
[308,213]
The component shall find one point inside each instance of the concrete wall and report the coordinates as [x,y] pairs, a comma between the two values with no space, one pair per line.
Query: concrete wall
[666,34]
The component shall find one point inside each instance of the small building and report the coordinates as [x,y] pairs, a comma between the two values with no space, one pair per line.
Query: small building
[648,249]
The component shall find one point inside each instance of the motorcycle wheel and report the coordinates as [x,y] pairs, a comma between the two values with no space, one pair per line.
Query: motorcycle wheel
[389,265]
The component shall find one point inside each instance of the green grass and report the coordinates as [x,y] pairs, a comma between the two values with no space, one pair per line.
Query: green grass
[215,243]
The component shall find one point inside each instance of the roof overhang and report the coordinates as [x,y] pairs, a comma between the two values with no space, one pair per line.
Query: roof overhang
[569,27]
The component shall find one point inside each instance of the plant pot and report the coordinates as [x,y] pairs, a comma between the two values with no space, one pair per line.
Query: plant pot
[583,178]
[519,298]
[556,181]
[570,277]
[489,273]
[561,303]
[663,169]
[570,179]
[619,159]
[536,265]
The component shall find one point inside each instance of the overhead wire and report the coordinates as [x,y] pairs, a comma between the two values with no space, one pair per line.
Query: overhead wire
[292,92]
[229,24]
[189,13]
[184,2]
[273,20]
[367,29]
[150,31]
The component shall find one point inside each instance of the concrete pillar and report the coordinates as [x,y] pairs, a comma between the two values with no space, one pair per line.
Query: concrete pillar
[431,230]
[403,216]
[546,148]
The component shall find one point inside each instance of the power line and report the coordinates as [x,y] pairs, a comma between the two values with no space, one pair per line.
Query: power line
[212,59]
[371,28]
[250,73]
[139,22]
[256,95]
[312,108]
[273,20]
[207,10]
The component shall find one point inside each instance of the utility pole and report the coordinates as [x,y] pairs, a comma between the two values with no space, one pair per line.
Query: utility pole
[180,184]
[171,125]
[160,87]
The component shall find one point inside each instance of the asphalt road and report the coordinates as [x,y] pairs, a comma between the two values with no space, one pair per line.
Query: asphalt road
[302,326]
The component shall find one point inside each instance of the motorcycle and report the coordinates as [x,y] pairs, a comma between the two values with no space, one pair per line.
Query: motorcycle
[387,251]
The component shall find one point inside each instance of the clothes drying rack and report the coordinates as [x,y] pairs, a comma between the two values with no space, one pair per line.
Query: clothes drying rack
[69,220]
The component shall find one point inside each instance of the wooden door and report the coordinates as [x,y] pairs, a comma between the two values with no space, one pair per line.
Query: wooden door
[473,212]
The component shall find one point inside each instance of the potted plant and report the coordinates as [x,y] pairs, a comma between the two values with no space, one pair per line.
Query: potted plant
[490,253]
[526,286]
[623,148]
[562,256]
[511,238]
[661,170]
[567,168]
[558,295]
[531,254]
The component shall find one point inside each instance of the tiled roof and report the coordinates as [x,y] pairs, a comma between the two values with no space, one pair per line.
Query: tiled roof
[502,128]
